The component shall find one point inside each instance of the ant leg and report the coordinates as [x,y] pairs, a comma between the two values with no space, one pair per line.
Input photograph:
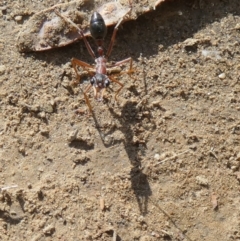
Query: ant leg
[75,63]
[90,51]
[116,29]
[119,63]
[113,38]
[116,81]
[84,65]
[86,97]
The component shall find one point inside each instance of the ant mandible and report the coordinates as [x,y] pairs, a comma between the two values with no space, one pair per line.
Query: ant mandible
[100,81]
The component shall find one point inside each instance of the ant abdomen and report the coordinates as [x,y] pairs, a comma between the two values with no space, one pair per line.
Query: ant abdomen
[98,27]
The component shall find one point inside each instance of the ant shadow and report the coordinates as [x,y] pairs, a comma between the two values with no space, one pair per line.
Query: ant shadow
[134,150]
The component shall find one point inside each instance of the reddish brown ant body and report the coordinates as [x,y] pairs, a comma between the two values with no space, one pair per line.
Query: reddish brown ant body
[100,81]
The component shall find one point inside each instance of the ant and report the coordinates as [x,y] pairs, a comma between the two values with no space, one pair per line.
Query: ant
[100,81]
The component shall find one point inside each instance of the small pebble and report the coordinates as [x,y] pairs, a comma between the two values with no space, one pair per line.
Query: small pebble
[42,114]
[72,136]
[3,8]
[146,237]
[190,42]
[222,76]
[47,107]
[234,168]
[44,131]
[102,203]
[157,156]
[201,180]
[237,27]
[2,69]
[238,157]
[18,18]
[50,229]
[22,150]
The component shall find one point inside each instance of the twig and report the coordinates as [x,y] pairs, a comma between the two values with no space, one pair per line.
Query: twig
[186,178]
[167,233]
[5,188]
[213,153]
[114,235]
[172,157]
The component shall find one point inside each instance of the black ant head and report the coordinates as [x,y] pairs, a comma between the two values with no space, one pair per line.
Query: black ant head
[98,27]
[100,81]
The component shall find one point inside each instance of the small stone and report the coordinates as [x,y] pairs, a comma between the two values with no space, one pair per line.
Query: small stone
[37,237]
[168,115]
[157,156]
[72,136]
[3,8]
[190,42]
[82,159]
[31,133]
[238,175]
[50,229]
[65,82]
[222,76]
[34,108]
[156,103]
[201,180]
[238,157]
[44,131]
[18,18]
[141,219]
[154,234]
[145,238]
[22,150]
[102,203]
[47,107]
[237,27]
[2,69]
[42,114]
[234,168]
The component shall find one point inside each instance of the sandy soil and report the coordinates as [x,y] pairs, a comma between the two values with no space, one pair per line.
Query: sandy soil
[160,164]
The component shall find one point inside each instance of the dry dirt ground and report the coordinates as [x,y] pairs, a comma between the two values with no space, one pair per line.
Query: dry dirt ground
[160,164]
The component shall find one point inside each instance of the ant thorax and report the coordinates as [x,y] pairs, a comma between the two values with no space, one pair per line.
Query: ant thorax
[101,66]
